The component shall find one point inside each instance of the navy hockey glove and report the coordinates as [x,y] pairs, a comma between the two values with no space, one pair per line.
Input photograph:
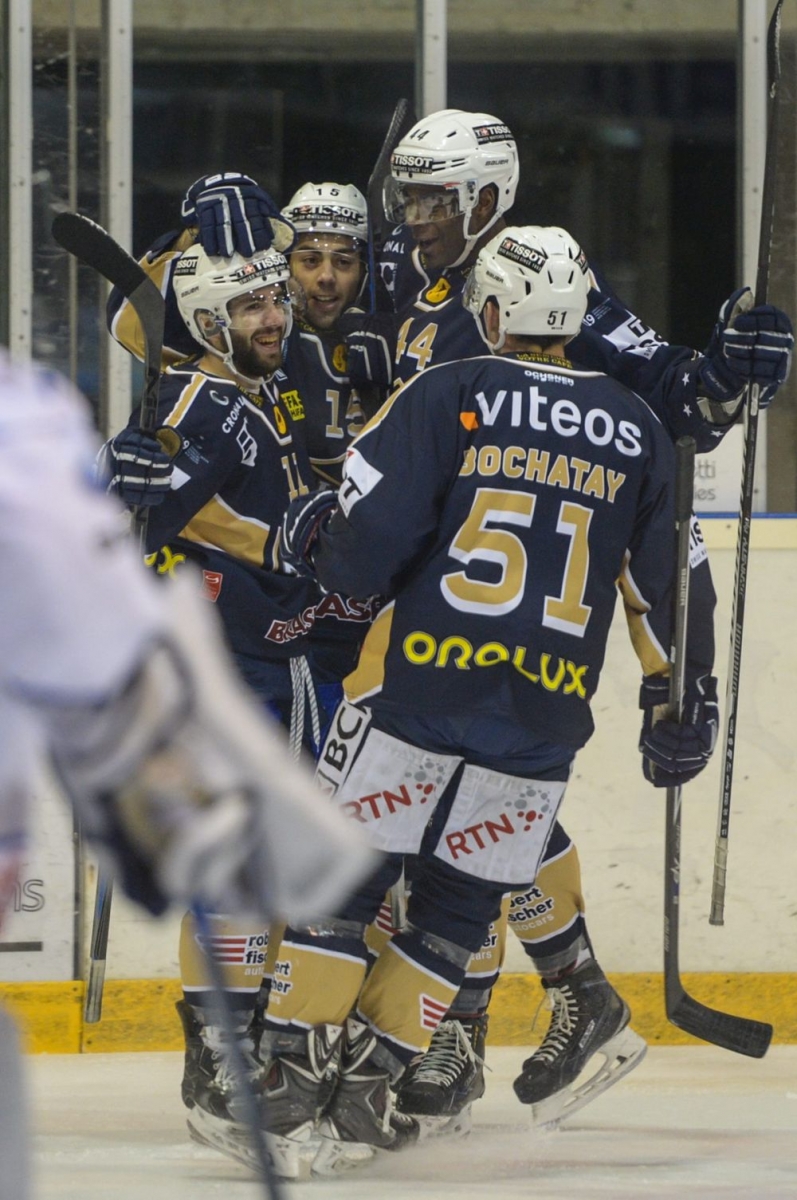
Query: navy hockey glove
[301,525]
[749,345]
[136,468]
[673,752]
[370,347]
[234,214]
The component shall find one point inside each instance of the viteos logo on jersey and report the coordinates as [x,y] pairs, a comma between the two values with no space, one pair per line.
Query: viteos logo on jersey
[564,417]
[524,256]
[492,133]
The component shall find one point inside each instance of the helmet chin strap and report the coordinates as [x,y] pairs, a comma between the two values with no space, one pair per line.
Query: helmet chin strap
[472,238]
[497,345]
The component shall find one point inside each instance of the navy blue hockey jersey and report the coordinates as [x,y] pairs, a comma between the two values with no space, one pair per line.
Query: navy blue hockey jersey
[237,464]
[333,415]
[499,503]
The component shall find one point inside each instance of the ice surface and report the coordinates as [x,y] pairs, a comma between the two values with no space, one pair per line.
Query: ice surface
[695,1123]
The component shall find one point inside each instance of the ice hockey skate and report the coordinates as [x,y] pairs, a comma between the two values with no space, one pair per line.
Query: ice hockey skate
[296,1088]
[440,1085]
[209,1088]
[359,1118]
[588,1018]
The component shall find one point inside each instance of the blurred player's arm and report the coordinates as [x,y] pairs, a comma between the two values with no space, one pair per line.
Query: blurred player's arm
[170,765]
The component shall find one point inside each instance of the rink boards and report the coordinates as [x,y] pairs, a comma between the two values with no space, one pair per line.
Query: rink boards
[749,966]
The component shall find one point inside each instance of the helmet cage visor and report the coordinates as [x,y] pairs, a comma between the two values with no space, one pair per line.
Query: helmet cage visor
[282,297]
[318,242]
[422,204]
[260,302]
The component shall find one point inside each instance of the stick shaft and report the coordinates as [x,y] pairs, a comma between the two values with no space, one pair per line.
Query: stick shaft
[751,411]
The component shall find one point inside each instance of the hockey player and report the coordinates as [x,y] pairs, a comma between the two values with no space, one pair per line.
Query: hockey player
[328,261]
[499,503]
[453,179]
[124,684]
[232,460]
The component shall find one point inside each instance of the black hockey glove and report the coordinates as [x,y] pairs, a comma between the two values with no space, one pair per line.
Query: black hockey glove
[673,752]
[370,347]
[301,525]
[748,345]
[234,214]
[136,468]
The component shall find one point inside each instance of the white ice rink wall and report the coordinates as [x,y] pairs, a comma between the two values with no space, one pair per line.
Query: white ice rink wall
[617,819]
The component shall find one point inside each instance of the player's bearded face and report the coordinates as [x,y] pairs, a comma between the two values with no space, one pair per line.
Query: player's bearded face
[258,324]
[330,270]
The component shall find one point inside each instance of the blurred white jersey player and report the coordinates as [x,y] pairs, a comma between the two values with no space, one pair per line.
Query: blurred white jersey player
[123,684]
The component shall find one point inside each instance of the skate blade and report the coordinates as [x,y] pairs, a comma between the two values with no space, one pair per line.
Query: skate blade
[335,1157]
[235,1140]
[620,1054]
[225,1136]
[456,1126]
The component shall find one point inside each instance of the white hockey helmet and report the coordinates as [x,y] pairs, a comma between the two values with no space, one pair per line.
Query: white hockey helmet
[458,153]
[205,283]
[329,208]
[538,276]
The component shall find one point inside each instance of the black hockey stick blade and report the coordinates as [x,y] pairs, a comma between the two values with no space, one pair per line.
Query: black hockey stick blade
[400,122]
[95,247]
[738,1034]
[770,157]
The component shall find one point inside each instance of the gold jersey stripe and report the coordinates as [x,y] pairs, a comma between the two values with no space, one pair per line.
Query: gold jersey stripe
[220,526]
[187,397]
[651,654]
[126,327]
[368,676]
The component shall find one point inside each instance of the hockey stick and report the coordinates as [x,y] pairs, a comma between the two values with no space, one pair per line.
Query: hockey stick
[92,245]
[739,1034]
[751,408]
[399,123]
[253,1116]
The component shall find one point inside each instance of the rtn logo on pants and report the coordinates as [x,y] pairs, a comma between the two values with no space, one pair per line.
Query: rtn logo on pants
[382,804]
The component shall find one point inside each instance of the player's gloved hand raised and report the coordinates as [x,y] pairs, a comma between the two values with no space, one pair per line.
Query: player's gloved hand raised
[301,525]
[370,347]
[749,344]
[673,752]
[136,468]
[233,213]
